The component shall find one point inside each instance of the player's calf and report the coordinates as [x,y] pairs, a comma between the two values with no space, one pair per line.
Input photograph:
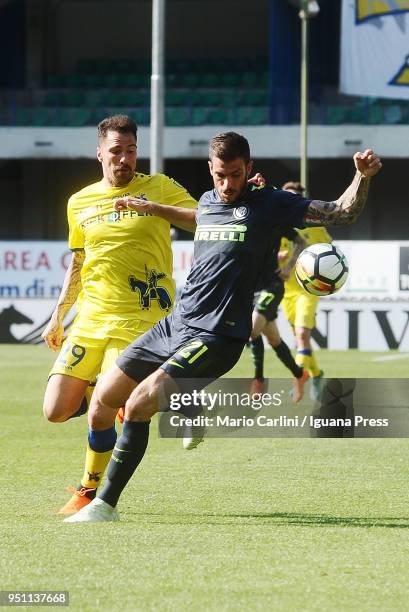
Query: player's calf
[150,396]
[112,391]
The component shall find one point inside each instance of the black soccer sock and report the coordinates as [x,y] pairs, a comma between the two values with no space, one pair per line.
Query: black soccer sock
[126,456]
[257,353]
[284,354]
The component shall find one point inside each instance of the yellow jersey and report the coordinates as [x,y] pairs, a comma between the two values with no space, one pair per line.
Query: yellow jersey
[127,272]
[311,235]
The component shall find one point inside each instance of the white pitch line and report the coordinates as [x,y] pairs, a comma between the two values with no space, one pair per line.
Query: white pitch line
[391,357]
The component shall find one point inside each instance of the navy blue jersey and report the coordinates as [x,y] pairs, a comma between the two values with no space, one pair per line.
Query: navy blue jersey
[269,274]
[232,242]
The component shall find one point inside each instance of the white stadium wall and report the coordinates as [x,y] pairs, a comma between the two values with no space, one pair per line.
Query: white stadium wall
[270,142]
[370,313]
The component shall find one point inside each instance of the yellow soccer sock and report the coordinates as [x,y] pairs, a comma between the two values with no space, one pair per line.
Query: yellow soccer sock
[314,368]
[95,466]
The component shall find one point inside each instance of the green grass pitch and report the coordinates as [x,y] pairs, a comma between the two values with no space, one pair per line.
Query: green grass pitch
[270,524]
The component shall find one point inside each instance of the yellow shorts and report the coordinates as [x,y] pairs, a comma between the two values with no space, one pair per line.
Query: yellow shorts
[300,309]
[85,358]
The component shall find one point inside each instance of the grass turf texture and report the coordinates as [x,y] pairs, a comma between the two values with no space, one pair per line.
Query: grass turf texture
[288,524]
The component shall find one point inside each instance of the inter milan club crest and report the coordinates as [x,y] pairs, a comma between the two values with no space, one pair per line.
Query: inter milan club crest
[241,212]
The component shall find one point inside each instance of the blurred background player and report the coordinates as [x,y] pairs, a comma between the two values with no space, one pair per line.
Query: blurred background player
[265,314]
[120,277]
[300,307]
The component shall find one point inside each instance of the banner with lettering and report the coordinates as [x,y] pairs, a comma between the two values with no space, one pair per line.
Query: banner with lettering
[375,48]
[371,312]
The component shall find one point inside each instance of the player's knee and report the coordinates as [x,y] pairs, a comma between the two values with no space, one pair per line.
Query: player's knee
[303,335]
[64,398]
[95,420]
[259,323]
[254,334]
[55,413]
[101,414]
[273,338]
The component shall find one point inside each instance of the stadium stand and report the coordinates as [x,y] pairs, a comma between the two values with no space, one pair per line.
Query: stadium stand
[198,92]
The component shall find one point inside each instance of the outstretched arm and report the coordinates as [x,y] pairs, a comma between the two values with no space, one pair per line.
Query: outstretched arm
[349,206]
[53,334]
[299,245]
[185,218]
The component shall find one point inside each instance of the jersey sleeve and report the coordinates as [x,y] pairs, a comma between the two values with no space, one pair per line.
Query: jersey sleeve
[174,194]
[75,233]
[292,208]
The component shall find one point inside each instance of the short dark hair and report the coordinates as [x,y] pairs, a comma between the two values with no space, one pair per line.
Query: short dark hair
[229,146]
[294,186]
[117,123]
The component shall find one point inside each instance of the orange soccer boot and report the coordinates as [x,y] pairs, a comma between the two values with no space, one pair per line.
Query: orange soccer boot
[80,498]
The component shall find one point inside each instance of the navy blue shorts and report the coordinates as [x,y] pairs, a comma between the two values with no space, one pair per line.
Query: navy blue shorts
[182,351]
[268,300]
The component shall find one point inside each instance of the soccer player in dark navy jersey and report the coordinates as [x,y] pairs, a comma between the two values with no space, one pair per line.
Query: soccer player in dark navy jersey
[204,336]
[265,313]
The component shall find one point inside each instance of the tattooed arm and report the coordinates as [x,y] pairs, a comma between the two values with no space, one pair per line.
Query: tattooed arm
[53,334]
[349,206]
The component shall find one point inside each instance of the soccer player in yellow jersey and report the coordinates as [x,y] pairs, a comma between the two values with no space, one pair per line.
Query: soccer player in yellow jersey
[300,307]
[120,278]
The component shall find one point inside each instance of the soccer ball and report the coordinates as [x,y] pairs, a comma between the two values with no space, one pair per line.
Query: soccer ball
[321,269]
